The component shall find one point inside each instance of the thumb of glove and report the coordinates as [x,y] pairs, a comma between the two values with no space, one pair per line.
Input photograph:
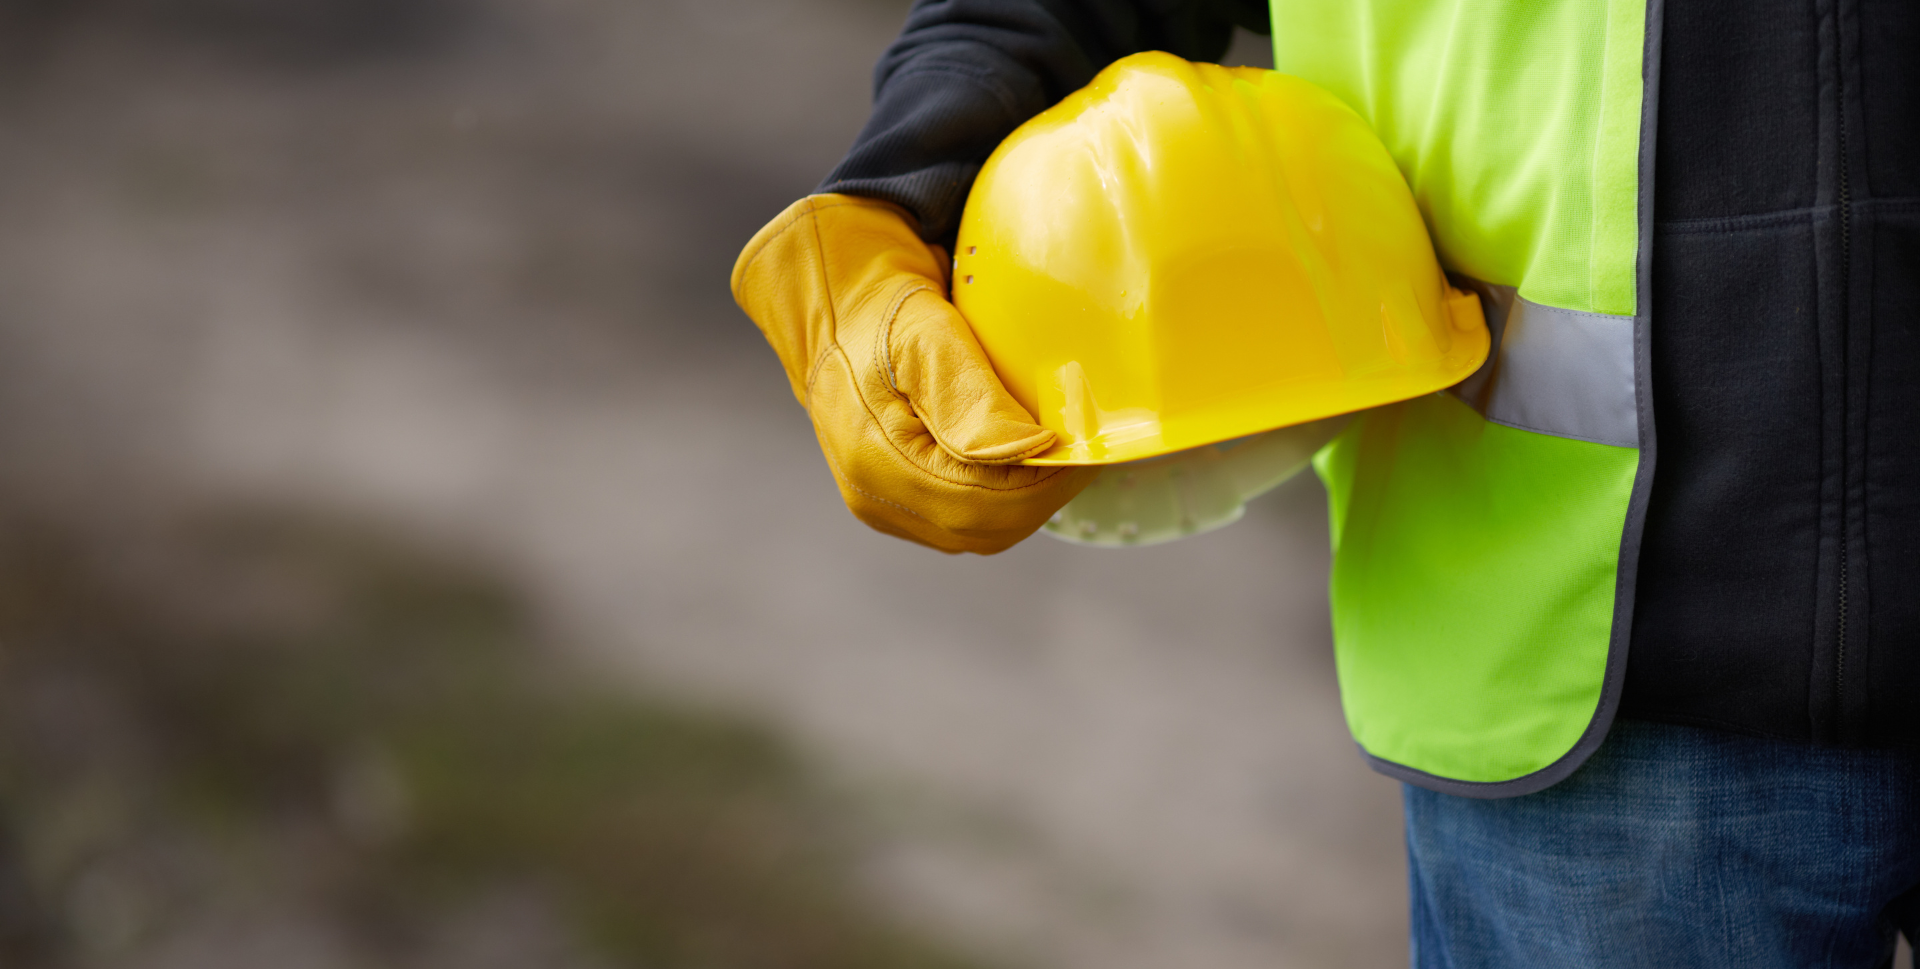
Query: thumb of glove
[934,360]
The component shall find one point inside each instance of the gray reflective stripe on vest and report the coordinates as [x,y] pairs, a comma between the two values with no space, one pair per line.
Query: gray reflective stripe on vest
[1554,371]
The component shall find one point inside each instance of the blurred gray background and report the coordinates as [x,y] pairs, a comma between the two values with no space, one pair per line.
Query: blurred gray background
[411,557]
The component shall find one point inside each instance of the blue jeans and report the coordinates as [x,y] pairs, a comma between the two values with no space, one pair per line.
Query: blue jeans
[1674,848]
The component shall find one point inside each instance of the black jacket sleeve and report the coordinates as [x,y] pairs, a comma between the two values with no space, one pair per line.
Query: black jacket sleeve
[964,73]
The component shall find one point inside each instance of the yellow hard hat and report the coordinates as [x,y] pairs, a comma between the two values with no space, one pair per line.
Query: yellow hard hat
[1179,254]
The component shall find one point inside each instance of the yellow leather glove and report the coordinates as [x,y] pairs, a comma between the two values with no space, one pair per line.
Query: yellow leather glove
[920,434]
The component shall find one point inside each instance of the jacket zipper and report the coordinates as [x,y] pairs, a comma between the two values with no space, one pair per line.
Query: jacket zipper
[1846,362]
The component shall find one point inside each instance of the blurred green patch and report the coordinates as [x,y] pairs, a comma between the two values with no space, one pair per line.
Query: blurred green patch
[327,717]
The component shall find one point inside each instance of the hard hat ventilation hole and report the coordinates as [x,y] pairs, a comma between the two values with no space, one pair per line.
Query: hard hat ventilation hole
[969,280]
[972,249]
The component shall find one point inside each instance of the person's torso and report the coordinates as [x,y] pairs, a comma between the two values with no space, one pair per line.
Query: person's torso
[1783,540]
[1758,306]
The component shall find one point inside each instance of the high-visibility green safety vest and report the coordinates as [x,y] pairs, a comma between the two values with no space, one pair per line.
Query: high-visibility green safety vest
[1485,538]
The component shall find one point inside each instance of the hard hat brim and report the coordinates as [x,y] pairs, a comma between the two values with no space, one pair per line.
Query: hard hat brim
[1230,419]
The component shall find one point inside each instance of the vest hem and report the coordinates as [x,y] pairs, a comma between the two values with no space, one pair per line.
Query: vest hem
[1627,566]
[1525,784]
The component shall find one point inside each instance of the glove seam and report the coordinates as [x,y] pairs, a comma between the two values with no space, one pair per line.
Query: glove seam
[812,206]
[833,311]
[864,493]
[859,394]
[833,345]
[884,339]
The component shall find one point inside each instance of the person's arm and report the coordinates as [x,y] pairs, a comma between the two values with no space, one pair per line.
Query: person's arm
[850,284]
[964,73]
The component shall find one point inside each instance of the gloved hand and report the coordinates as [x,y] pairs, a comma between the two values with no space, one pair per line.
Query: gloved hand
[918,430]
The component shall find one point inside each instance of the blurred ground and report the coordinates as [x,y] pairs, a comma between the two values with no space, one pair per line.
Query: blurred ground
[453,272]
[244,739]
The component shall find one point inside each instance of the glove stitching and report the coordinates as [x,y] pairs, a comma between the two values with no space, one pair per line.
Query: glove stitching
[886,351]
[1022,456]
[833,313]
[833,345]
[814,373]
[856,489]
[883,339]
[854,380]
[812,208]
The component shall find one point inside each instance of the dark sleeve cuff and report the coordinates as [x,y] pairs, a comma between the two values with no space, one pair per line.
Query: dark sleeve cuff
[930,131]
